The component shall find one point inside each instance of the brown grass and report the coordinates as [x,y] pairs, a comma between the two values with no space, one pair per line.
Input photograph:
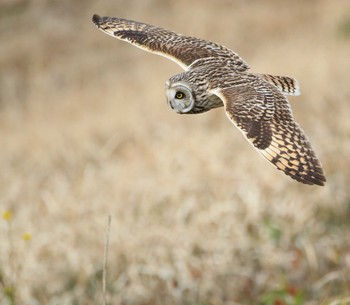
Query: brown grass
[197,216]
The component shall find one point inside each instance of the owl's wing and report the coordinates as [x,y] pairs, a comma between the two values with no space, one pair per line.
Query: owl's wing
[182,49]
[264,116]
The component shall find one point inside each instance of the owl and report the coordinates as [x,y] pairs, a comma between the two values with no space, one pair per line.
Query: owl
[215,76]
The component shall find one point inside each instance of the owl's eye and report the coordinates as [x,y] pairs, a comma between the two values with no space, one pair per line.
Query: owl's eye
[179,95]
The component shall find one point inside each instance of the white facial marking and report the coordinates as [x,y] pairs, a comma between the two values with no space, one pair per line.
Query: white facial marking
[179,97]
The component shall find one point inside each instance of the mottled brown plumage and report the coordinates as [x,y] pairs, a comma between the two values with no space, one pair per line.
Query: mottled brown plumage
[216,76]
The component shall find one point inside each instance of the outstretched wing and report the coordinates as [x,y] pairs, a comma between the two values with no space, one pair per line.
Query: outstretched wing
[182,49]
[264,116]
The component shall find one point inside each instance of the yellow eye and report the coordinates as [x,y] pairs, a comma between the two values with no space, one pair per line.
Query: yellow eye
[179,95]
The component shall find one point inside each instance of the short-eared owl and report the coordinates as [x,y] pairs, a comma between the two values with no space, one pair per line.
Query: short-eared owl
[216,76]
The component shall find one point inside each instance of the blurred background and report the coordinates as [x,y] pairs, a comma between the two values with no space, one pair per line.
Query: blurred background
[198,217]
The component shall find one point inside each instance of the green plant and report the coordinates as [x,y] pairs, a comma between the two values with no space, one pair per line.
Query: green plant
[9,278]
[288,295]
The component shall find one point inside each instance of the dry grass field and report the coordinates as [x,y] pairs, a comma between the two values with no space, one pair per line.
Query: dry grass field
[198,217]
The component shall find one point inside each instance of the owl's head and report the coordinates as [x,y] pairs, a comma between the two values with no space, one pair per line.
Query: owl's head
[179,96]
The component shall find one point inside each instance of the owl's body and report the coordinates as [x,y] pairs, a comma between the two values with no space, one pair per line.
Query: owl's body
[216,76]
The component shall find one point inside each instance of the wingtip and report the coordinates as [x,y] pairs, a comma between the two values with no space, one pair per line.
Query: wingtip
[319,181]
[312,178]
[96,19]
[297,91]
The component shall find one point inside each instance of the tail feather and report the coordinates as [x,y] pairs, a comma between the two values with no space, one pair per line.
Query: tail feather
[286,85]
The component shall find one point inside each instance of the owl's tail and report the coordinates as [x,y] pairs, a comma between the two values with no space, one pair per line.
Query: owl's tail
[286,85]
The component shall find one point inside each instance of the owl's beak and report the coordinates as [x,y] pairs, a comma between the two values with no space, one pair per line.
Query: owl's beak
[168,99]
[167,93]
